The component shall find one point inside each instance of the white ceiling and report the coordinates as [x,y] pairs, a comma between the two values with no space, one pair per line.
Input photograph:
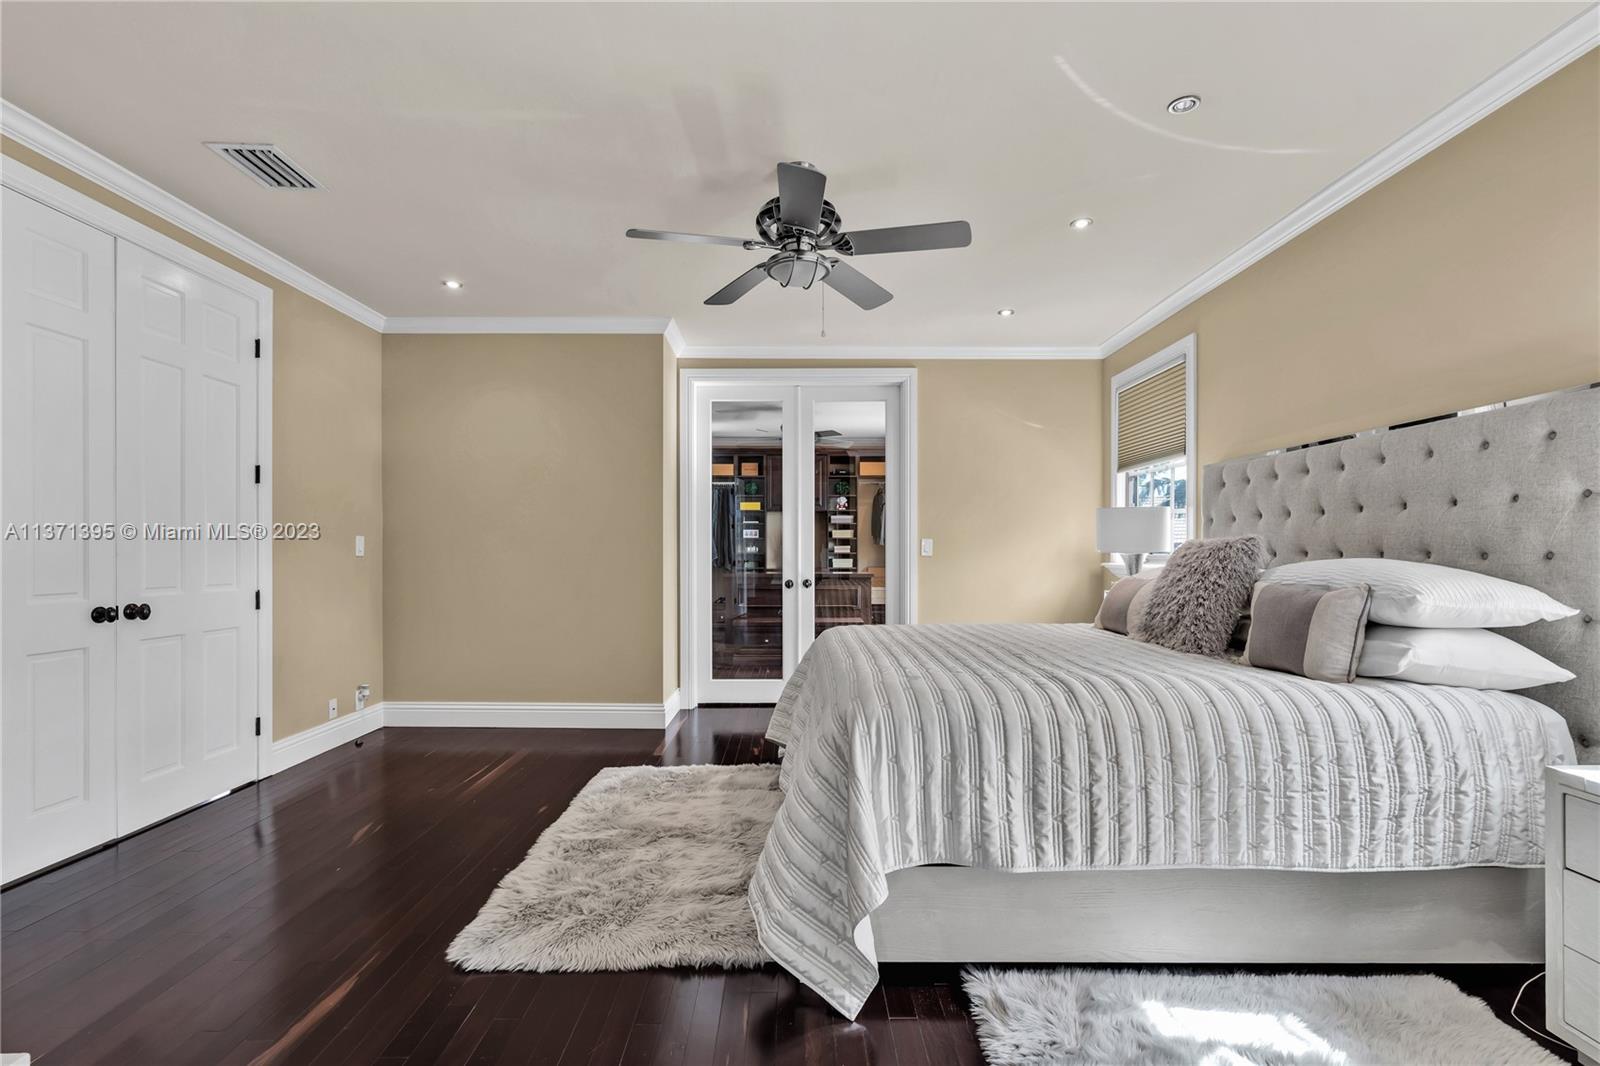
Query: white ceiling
[510,145]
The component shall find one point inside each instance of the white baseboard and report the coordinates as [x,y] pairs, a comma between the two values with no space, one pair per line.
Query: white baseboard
[533,715]
[320,738]
[671,708]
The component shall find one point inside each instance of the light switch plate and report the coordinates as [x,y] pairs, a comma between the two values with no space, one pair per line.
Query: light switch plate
[361,545]
[927,545]
[333,708]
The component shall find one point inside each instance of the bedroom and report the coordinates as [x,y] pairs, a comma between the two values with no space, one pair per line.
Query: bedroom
[361,478]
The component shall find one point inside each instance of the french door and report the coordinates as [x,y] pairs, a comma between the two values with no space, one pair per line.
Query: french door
[798,500]
[128,572]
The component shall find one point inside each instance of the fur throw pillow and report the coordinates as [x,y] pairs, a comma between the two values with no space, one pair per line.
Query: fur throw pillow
[1196,601]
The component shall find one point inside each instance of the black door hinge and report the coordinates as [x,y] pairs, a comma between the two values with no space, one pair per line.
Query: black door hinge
[258,727]
[258,347]
[258,599]
[258,473]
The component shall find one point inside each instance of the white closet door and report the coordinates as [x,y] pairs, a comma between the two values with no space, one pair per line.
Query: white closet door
[58,666]
[186,433]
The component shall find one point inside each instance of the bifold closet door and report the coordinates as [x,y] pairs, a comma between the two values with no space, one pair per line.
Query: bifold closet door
[57,664]
[186,455]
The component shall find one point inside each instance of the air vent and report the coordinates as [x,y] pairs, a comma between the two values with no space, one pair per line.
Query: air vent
[265,164]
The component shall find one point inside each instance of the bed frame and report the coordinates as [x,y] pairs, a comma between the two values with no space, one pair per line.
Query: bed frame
[1514,492]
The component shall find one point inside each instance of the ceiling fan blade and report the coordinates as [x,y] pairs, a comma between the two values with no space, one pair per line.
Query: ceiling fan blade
[800,196]
[739,286]
[686,238]
[906,238]
[856,287]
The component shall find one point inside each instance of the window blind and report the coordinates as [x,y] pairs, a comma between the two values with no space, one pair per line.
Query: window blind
[1151,419]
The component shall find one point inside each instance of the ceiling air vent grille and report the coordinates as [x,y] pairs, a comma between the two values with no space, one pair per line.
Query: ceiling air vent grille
[265,164]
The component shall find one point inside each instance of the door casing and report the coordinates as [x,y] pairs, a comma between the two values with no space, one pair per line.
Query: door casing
[694,495]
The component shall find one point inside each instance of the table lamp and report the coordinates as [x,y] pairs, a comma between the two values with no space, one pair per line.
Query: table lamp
[1133,533]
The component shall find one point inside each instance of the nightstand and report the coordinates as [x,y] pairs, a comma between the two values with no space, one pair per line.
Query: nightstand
[1572,907]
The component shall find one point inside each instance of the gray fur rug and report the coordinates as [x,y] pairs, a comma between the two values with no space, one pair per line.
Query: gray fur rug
[648,867]
[1073,1016]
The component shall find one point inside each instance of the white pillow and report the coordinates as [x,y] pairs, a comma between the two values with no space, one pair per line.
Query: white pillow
[1427,596]
[1469,658]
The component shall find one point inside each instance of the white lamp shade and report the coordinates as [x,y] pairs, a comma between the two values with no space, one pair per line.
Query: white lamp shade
[1133,530]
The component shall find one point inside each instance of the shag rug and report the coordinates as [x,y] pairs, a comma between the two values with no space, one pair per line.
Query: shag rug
[648,867]
[1072,1016]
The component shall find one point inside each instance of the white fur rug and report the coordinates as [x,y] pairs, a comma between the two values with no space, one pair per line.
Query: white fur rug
[1072,1016]
[648,867]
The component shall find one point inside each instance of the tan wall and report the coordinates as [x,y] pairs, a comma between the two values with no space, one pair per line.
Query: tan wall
[327,441]
[1469,277]
[1009,465]
[524,485]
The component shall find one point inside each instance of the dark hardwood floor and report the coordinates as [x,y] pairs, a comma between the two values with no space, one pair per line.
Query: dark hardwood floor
[304,920]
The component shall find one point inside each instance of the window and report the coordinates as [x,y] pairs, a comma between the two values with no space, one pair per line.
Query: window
[1152,434]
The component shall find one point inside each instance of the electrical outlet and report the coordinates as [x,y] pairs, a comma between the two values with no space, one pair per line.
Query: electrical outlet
[362,693]
[927,545]
[361,546]
[333,708]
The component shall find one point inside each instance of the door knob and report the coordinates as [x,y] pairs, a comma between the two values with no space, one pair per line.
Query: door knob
[98,615]
[132,611]
[789,584]
[805,583]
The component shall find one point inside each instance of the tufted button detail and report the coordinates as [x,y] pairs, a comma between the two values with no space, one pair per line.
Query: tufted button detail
[1404,505]
[1380,553]
[1382,459]
[1587,493]
[1430,453]
[1360,508]
[1483,555]
[1427,555]
[1549,555]
[1551,435]
[1341,468]
[1515,496]
[1484,446]
[1454,501]
[1588,618]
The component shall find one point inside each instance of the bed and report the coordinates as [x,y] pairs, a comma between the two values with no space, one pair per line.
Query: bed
[1094,799]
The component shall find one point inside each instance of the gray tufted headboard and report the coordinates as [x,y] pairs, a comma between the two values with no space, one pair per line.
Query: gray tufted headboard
[1513,492]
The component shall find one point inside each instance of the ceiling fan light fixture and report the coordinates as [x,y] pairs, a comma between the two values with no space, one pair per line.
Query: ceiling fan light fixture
[451,283]
[1081,223]
[797,269]
[1184,104]
[1006,312]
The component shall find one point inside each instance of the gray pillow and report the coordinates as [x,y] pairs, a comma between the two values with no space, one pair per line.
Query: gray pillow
[1123,606]
[1316,633]
[1201,592]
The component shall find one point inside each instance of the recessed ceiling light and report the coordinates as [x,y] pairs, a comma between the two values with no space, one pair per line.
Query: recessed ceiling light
[1006,312]
[1184,104]
[1081,223]
[452,283]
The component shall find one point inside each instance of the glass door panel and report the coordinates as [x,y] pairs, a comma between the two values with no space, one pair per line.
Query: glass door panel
[747,538]
[850,516]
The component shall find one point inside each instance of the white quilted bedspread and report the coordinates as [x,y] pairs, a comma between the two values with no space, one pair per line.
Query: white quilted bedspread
[1058,747]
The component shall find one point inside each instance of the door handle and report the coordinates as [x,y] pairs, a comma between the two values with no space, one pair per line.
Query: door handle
[806,583]
[789,584]
[139,611]
[98,615]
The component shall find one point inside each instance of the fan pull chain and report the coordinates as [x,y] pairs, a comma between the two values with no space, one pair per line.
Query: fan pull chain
[823,303]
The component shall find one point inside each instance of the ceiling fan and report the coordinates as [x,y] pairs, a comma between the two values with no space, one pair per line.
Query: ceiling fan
[803,230]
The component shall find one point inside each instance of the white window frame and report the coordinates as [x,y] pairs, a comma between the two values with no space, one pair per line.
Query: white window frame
[1183,351]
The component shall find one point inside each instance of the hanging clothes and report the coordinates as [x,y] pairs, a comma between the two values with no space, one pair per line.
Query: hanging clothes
[724,526]
[877,514]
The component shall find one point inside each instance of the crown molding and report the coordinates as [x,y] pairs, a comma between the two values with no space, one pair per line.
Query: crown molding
[51,143]
[919,353]
[674,338]
[1566,44]
[531,324]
